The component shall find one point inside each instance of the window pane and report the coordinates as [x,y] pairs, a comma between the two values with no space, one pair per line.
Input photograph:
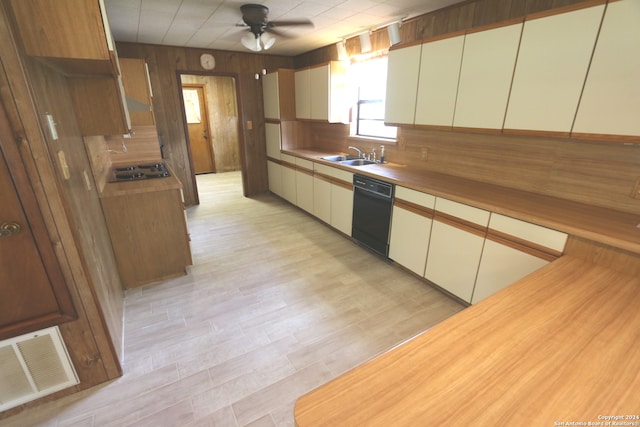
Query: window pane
[371,110]
[376,128]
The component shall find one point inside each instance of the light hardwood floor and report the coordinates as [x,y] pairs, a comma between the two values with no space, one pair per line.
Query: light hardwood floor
[275,304]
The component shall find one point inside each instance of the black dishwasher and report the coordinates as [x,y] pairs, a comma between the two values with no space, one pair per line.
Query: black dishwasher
[372,204]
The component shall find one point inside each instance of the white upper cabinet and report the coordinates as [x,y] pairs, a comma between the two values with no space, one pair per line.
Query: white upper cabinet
[485,77]
[270,96]
[402,83]
[610,102]
[303,94]
[550,72]
[320,92]
[438,82]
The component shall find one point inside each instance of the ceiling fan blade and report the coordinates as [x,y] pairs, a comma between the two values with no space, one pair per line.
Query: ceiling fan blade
[277,33]
[291,22]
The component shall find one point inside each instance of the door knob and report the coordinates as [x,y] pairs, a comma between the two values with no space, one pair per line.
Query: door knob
[9,229]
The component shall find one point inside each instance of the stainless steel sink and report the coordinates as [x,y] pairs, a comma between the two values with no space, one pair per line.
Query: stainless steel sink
[357,162]
[339,158]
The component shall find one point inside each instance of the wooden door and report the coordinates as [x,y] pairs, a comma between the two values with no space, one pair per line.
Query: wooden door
[33,294]
[198,127]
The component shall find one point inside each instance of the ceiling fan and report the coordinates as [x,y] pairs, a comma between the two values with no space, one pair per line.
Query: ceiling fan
[261,29]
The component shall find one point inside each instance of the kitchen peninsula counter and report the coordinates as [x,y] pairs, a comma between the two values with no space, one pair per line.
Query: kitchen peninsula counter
[559,345]
[607,226]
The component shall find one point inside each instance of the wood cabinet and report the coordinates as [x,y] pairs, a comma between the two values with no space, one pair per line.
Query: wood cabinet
[513,249]
[320,93]
[278,95]
[438,81]
[554,56]
[73,37]
[304,184]
[403,69]
[411,228]
[610,102]
[487,69]
[455,248]
[137,87]
[34,293]
[148,229]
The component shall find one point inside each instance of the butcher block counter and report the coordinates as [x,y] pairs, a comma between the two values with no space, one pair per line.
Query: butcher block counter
[558,346]
[607,226]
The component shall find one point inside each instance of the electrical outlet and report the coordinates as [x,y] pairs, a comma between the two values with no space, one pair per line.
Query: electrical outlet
[425,154]
[635,193]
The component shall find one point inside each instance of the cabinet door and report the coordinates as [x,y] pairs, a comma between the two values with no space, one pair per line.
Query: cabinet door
[551,68]
[270,98]
[303,94]
[34,294]
[411,229]
[610,102]
[402,83]
[272,134]
[513,249]
[304,189]
[274,171]
[319,78]
[289,179]
[457,238]
[135,79]
[322,192]
[438,81]
[485,77]
[342,201]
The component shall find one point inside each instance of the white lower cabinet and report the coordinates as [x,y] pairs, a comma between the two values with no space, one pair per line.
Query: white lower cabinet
[274,172]
[288,170]
[342,201]
[304,184]
[411,228]
[455,248]
[513,250]
[322,192]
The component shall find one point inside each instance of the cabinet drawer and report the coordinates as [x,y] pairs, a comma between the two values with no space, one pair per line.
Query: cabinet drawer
[465,212]
[417,197]
[536,234]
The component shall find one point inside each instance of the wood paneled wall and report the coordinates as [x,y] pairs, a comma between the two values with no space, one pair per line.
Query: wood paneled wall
[70,208]
[597,173]
[165,64]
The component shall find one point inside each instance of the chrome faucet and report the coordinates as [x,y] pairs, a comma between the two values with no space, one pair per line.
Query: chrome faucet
[351,147]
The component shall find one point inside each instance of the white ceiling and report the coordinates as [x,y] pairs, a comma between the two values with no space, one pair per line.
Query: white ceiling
[212,23]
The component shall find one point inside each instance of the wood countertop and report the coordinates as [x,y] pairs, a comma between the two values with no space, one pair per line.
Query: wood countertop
[559,345]
[608,226]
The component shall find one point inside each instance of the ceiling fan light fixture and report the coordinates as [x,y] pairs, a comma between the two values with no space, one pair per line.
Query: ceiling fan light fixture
[267,40]
[251,42]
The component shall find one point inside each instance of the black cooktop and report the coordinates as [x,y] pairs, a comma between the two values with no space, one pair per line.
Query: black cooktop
[138,172]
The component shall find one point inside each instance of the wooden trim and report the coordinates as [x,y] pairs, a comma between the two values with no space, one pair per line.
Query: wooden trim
[274,160]
[413,207]
[624,139]
[495,25]
[433,127]
[343,184]
[400,125]
[403,45]
[486,131]
[288,165]
[274,121]
[323,177]
[543,133]
[304,170]
[564,9]
[460,223]
[522,245]
[443,36]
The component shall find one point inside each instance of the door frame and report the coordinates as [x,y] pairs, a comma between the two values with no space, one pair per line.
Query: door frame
[241,143]
[205,109]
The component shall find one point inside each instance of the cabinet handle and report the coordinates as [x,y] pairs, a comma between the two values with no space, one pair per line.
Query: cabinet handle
[9,229]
